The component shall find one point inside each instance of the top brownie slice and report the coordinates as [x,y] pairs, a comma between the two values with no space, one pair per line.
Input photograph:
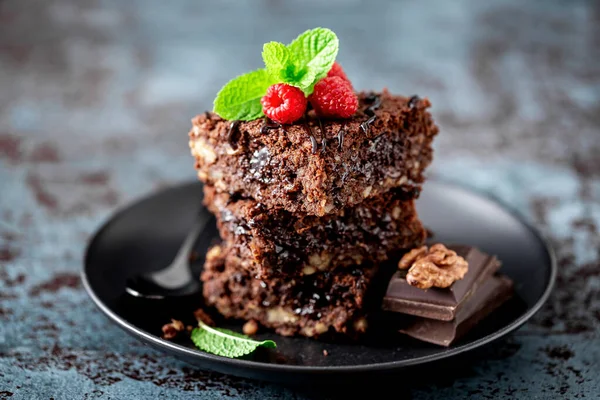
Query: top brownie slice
[318,166]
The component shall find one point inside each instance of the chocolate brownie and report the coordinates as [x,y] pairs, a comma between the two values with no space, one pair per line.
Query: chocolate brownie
[274,241]
[325,304]
[315,166]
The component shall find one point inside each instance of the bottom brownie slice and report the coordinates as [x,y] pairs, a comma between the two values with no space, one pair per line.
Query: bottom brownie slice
[323,304]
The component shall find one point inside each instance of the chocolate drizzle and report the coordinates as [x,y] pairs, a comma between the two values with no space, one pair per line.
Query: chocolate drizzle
[375,103]
[340,138]
[365,125]
[231,134]
[268,125]
[313,140]
[323,137]
[323,145]
[414,101]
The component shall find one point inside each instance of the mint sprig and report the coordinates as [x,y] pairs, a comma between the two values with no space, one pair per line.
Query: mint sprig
[302,63]
[224,342]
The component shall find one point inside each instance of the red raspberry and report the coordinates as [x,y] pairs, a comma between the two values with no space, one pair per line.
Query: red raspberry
[337,70]
[284,103]
[334,97]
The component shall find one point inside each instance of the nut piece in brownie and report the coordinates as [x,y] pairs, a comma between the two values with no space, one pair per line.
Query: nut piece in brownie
[325,304]
[276,241]
[316,166]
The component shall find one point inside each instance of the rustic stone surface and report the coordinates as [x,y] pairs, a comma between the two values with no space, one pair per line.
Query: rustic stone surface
[95,103]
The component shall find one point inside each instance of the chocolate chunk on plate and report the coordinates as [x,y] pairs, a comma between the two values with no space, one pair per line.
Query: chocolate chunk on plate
[490,295]
[436,303]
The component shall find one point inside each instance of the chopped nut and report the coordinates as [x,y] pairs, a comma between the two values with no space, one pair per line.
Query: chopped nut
[320,260]
[171,329]
[402,181]
[220,184]
[437,267]
[250,328]
[280,315]
[204,151]
[307,331]
[214,252]
[201,315]
[360,325]
[328,207]
[321,328]
[231,151]
[203,176]
[308,270]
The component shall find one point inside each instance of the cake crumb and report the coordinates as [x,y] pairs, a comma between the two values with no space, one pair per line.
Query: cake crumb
[250,328]
[172,329]
[325,353]
[201,315]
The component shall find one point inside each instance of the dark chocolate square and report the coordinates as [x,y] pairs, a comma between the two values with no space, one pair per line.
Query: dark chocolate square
[490,295]
[436,303]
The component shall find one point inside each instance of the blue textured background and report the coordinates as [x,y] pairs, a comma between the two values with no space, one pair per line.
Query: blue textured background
[95,102]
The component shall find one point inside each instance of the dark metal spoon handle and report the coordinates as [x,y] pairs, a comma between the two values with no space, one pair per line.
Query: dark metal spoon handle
[178,273]
[176,279]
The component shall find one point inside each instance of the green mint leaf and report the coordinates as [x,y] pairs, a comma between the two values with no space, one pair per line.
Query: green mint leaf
[226,343]
[240,98]
[314,52]
[279,63]
[277,60]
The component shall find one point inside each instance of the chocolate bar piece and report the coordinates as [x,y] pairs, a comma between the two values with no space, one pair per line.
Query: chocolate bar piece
[490,295]
[436,303]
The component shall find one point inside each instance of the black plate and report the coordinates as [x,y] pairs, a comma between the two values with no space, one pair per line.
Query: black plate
[145,236]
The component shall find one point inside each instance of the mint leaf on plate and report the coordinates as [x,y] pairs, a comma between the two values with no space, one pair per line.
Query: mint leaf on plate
[240,98]
[314,52]
[224,342]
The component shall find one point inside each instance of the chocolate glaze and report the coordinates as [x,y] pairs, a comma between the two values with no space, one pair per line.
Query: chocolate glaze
[375,101]
[313,140]
[231,134]
[323,137]
[323,145]
[414,101]
[365,125]
[340,138]
[268,125]
[436,303]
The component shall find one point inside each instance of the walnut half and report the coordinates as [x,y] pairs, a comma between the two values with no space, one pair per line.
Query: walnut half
[437,266]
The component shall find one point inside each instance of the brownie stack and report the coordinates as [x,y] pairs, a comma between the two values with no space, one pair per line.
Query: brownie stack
[308,212]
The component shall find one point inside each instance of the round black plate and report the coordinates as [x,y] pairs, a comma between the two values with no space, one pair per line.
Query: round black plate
[145,236]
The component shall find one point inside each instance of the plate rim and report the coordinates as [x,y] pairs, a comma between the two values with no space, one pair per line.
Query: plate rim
[178,349]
